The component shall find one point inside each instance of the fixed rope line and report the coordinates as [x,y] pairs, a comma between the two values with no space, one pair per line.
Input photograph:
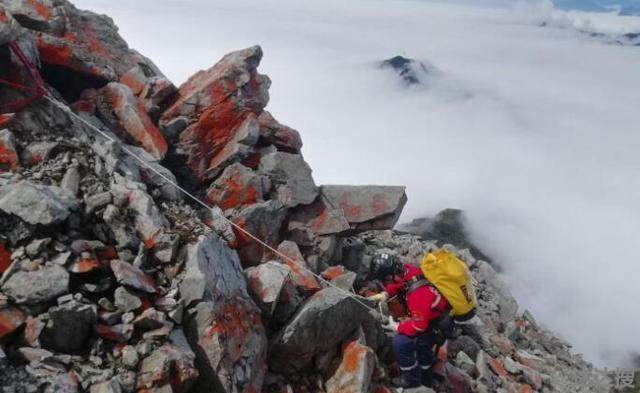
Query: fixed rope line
[142,162]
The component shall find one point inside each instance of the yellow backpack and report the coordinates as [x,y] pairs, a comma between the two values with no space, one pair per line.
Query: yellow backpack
[451,277]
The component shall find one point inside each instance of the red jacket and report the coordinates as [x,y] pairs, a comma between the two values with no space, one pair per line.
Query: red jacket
[424,303]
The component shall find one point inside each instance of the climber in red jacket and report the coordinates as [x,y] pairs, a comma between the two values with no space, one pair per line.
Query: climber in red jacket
[415,338]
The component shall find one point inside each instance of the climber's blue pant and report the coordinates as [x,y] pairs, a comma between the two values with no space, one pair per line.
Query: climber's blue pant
[414,355]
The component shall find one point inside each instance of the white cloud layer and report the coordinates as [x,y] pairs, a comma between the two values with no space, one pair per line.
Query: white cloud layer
[533,131]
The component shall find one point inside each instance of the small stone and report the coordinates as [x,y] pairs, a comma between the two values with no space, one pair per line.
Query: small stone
[37,246]
[119,333]
[33,355]
[71,180]
[10,320]
[110,317]
[128,317]
[97,201]
[126,301]
[130,357]
[150,319]
[110,386]
[133,277]
[37,286]
[37,152]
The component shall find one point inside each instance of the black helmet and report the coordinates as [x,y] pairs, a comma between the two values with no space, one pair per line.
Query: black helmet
[384,264]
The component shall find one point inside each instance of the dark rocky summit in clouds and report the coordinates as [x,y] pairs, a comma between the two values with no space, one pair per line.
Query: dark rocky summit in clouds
[115,281]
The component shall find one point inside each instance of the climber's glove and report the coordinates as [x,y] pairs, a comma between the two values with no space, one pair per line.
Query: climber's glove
[379,297]
[391,325]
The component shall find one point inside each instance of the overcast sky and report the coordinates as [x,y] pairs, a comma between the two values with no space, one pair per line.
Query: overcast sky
[532,130]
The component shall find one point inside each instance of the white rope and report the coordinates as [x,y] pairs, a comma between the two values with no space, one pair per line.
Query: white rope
[68,110]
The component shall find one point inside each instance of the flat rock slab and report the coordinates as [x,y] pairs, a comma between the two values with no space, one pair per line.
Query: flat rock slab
[37,203]
[37,286]
[368,207]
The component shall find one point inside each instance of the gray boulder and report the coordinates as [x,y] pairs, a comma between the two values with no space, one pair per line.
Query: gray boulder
[37,286]
[69,326]
[318,326]
[291,178]
[264,221]
[37,203]
[266,282]
[355,370]
[224,328]
[368,207]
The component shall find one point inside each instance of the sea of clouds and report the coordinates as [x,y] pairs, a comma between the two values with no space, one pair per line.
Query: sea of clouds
[532,130]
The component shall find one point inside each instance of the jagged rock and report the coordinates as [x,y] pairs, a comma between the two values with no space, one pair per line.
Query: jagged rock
[69,326]
[237,187]
[222,103]
[464,344]
[129,356]
[291,178]
[457,381]
[447,227]
[74,42]
[301,275]
[150,319]
[368,207]
[37,286]
[168,365]
[148,83]
[172,129]
[150,224]
[8,154]
[125,300]
[11,319]
[37,203]
[264,221]
[37,152]
[34,355]
[127,115]
[32,330]
[266,282]
[131,276]
[355,371]
[224,329]
[465,363]
[318,325]
[120,333]
[9,28]
[317,219]
[282,137]
[37,246]
[507,305]
[110,386]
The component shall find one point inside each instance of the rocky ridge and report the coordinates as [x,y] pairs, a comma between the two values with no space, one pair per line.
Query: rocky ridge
[112,281]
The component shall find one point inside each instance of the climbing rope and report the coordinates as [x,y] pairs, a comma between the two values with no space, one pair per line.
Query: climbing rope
[36,92]
[142,162]
[41,90]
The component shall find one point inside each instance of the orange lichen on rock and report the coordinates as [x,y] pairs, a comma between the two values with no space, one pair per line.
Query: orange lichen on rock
[10,320]
[333,272]
[133,119]
[40,9]
[8,155]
